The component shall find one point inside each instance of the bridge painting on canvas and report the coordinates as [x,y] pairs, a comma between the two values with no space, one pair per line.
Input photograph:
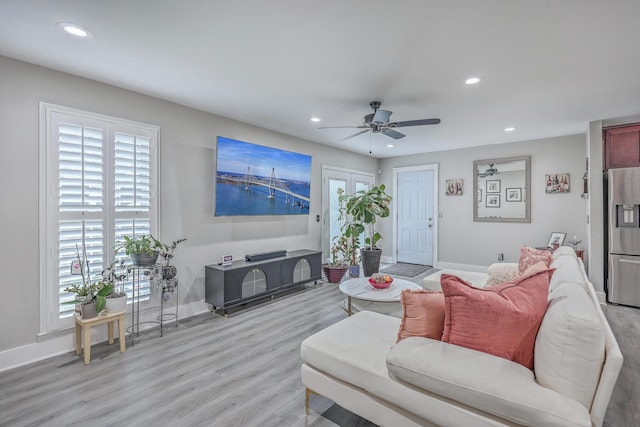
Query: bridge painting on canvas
[257,180]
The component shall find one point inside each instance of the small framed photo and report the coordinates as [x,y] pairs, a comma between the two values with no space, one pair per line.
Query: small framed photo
[493,186]
[556,239]
[513,195]
[479,195]
[227,259]
[454,187]
[493,200]
[557,183]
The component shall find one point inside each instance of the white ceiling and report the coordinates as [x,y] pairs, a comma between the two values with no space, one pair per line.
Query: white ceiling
[548,66]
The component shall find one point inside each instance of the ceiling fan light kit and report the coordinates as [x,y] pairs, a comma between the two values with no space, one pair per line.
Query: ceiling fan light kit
[378,122]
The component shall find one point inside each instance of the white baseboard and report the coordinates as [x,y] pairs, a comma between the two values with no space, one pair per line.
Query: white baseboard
[387,259]
[464,267]
[64,341]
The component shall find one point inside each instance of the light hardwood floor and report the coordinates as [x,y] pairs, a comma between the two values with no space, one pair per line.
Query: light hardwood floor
[211,371]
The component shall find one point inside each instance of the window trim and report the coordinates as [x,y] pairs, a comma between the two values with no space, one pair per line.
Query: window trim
[47,211]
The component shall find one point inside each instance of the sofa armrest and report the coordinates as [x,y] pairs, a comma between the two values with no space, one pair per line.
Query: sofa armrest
[482,381]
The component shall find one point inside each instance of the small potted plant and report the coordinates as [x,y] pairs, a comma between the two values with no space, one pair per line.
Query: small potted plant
[92,297]
[341,250]
[116,275]
[143,250]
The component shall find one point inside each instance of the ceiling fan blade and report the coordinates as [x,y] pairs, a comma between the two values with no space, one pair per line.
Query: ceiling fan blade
[393,133]
[355,134]
[342,127]
[381,117]
[418,122]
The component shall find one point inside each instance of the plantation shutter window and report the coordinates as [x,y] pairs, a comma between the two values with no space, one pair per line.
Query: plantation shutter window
[99,185]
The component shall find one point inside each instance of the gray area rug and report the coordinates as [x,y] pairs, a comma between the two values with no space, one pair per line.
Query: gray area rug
[406,270]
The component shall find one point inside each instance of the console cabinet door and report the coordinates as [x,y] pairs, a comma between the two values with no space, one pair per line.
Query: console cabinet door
[622,147]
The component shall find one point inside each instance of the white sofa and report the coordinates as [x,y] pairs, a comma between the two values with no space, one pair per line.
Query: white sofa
[421,382]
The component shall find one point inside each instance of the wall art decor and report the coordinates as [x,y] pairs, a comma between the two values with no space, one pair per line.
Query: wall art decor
[513,195]
[556,239]
[493,200]
[493,186]
[557,183]
[454,187]
[257,180]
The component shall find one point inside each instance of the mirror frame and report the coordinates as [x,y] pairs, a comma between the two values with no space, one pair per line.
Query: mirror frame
[527,186]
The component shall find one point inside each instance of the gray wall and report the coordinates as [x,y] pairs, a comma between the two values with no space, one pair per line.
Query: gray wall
[187,156]
[463,241]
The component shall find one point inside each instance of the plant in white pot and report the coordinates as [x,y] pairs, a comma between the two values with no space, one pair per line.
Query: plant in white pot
[116,275]
[365,207]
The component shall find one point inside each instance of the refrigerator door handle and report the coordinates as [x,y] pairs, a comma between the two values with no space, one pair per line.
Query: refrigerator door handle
[627,261]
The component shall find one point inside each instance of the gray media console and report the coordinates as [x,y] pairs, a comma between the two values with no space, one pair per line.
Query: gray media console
[245,281]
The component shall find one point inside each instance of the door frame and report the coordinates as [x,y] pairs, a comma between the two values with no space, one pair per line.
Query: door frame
[325,244]
[436,213]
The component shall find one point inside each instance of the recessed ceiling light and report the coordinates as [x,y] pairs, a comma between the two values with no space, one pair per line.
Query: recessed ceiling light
[74,30]
[509,129]
[472,80]
[315,119]
[390,145]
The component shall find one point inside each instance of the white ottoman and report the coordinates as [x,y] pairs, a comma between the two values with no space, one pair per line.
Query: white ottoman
[432,281]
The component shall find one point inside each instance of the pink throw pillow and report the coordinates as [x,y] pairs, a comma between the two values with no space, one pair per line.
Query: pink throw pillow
[502,320]
[530,256]
[422,314]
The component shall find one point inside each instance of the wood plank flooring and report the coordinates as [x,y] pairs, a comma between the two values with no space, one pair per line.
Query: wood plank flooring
[240,371]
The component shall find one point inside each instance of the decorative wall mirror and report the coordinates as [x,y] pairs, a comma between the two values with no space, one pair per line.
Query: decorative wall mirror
[501,190]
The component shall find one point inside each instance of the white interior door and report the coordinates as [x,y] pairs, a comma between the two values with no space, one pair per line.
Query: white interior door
[415,219]
[333,179]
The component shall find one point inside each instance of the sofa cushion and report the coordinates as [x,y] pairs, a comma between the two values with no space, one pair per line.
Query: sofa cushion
[502,320]
[570,346]
[422,314]
[500,387]
[530,256]
[501,273]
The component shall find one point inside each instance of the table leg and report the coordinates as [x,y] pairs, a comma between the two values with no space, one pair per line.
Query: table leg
[87,344]
[78,337]
[121,338]
[349,313]
[110,331]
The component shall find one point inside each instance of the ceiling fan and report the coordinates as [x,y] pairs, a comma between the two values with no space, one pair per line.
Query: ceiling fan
[491,170]
[378,122]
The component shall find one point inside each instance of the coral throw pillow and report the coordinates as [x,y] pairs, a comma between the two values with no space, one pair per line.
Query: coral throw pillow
[502,320]
[530,256]
[422,314]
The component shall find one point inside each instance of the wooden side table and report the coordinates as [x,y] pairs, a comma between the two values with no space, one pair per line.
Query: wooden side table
[83,331]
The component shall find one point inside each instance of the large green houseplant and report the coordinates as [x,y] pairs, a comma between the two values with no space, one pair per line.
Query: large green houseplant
[365,207]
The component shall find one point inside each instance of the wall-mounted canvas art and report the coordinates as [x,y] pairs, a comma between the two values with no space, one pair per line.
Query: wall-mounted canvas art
[257,180]
[557,183]
[454,187]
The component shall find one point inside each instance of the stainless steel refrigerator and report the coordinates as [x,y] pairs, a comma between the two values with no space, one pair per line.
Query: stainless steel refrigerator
[623,284]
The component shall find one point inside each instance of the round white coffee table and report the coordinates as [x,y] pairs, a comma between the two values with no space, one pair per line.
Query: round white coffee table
[367,297]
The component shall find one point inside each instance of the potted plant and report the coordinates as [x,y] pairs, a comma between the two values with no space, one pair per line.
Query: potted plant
[169,272]
[365,207]
[143,250]
[116,275]
[344,248]
[93,297]
[336,266]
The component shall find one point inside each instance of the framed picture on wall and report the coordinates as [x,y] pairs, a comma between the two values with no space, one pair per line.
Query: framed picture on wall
[493,186]
[493,201]
[557,183]
[513,195]
[454,187]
